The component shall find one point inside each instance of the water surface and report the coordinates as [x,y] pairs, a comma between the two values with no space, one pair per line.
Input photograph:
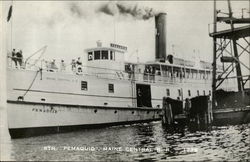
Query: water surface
[137,142]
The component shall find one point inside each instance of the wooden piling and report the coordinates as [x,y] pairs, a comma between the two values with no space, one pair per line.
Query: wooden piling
[167,112]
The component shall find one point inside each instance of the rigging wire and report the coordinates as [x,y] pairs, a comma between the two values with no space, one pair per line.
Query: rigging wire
[43,49]
[32,82]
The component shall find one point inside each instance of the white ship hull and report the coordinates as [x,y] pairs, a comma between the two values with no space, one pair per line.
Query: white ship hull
[50,106]
[30,118]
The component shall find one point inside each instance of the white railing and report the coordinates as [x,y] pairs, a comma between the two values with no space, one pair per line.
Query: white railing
[98,72]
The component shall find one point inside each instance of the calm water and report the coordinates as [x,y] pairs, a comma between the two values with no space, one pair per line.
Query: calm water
[135,143]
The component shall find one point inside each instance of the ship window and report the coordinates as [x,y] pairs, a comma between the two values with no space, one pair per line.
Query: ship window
[189,93]
[111,88]
[168,92]
[84,85]
[105,55]
[111,55]
[97,55]
[198,93]
[204,92]
[90,56]
[179,92]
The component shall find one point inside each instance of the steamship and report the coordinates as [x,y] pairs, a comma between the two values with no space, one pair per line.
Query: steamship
[106,91]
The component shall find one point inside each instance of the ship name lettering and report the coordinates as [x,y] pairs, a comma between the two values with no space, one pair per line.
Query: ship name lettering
[45,110]
[49,78]
[78,148]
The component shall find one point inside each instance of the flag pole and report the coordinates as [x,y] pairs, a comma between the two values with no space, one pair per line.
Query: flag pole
[11,23]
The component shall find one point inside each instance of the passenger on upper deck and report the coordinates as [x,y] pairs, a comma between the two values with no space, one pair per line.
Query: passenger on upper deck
[146,73]
[19,58]
[153,73]
[153,70]
[79,62]
[62,66]
[53,65]
[131,71]
[79,66]
[14,57]
[146,70]
[149,73]
[73,65]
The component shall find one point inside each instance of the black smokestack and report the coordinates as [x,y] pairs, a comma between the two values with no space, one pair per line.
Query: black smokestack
[160,37]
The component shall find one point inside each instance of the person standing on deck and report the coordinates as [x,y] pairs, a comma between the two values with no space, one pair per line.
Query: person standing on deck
[19,58]
[63,66]
[73,65]
[79,65]
[153,73]
[79,62]
[53,66]
[129,71]
[14,57]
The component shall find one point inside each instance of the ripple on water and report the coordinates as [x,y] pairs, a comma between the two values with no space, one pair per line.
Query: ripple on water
[220,143]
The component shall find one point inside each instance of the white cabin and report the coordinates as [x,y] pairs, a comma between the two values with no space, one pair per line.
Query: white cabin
[111,57]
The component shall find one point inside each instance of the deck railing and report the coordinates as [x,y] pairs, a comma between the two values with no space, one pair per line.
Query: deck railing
[101,72]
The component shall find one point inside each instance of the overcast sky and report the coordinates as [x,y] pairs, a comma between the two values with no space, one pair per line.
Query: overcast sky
[67,28]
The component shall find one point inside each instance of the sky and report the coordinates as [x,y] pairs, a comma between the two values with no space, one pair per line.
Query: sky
[69,27]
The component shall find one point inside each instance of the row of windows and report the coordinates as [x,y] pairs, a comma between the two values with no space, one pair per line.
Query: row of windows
[194,75]
[101,55]
[189,92]
[84,87]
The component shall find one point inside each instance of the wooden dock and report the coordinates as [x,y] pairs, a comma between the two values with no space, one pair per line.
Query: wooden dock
[203,115]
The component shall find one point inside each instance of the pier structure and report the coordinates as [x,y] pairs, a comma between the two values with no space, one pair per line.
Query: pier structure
[228,46]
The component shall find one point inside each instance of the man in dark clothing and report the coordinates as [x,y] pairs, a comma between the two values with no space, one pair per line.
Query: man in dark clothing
[79,62]
[14,57]
[19,58]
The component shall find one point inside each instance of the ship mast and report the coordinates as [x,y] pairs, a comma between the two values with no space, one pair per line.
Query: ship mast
[10,18]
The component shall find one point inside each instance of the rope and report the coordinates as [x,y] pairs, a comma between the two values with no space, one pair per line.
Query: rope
[32,82]
[43,49]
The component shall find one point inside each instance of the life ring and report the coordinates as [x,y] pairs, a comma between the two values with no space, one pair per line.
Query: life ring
[79,70]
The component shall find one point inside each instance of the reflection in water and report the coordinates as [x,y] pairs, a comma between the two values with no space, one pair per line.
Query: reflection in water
[137,142]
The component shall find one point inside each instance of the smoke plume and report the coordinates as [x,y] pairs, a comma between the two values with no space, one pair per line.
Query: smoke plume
[119,8]
[68,12]
[76,10]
